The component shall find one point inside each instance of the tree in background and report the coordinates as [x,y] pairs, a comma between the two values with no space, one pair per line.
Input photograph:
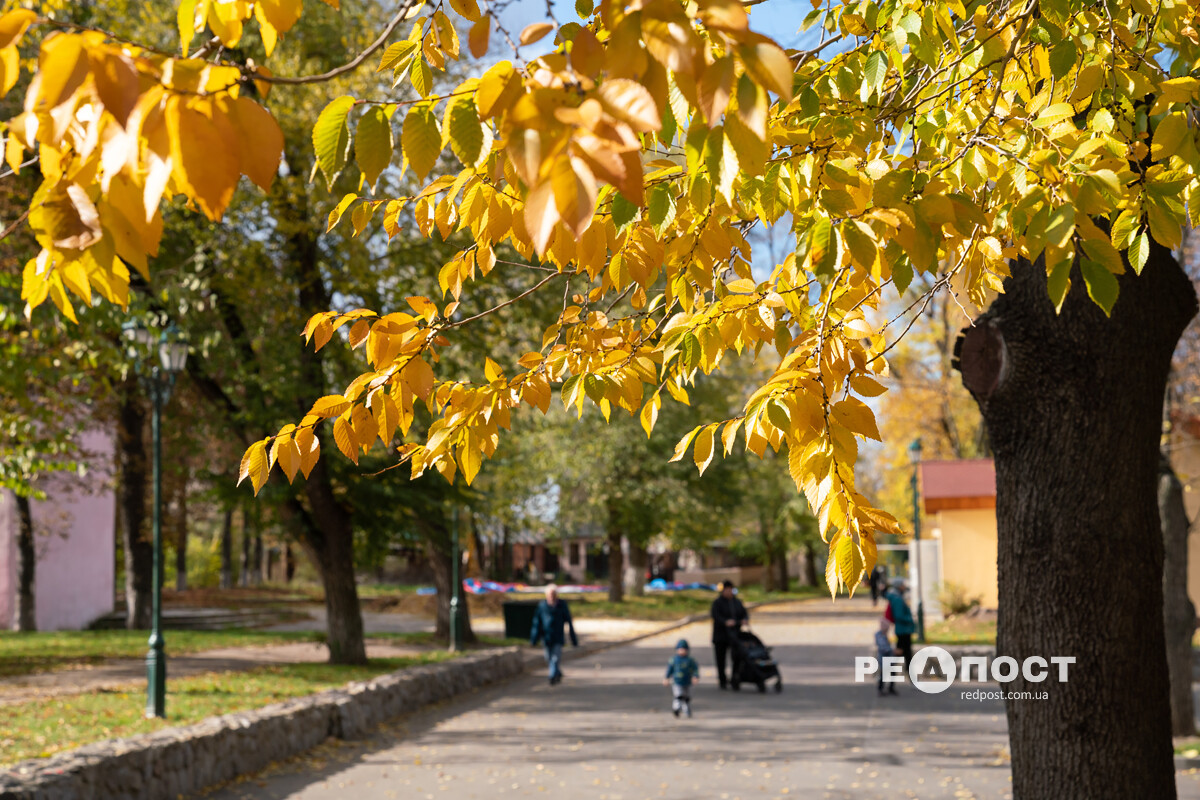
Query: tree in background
[1041,148]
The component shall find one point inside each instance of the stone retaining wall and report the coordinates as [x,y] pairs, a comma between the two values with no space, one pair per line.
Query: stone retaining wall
[180,761]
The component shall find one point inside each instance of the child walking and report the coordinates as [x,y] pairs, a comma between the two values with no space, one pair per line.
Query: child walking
[682,672]
[883,649]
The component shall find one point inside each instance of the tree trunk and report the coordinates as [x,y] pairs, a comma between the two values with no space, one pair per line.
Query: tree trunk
[780,565]
[616,563]
[289,563]
[256,561]
[1073,408]
[810,564]
[1179,615]
[181,536]
[244,566]
[768,552]
[635,572]
[26,618]
[139,550]
[227,549]
[439,550]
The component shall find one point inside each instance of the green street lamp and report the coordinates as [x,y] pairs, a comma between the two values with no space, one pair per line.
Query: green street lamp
[914,456]
[172,356]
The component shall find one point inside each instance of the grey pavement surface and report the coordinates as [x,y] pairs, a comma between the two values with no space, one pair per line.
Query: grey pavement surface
[607,733]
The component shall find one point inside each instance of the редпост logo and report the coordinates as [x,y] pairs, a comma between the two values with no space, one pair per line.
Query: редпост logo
[936,677]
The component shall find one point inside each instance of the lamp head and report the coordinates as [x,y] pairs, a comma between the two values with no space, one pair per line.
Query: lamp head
[173,350]
[914,452]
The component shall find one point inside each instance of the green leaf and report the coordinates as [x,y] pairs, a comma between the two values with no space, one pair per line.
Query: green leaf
[331,137]
[660,207]
[1123,228]
[875,72]
[421,139]
[1062,58]
[623,211]
[395,55]
[1139,251]
[689,351]
[1101,284]
[465,131]
[1058,282]
[373,144]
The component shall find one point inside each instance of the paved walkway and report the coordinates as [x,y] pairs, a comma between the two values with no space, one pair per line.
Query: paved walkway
[607,732]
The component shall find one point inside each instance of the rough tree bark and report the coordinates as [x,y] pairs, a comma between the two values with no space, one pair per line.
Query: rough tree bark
[1073,406]
[616,561]
[26,617]
[635,571]
[227,549]
[1179,615]
[139,550]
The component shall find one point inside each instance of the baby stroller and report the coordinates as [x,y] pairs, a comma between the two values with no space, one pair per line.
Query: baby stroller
[753,663]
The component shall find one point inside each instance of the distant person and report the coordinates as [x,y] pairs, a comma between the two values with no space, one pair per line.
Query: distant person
[899,614]
[682,672]
[549,621]
[878,581]
[728,616]
[884,649]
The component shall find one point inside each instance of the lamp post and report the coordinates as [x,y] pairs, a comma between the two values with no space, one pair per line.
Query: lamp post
[914,456]
[172,355]
[455,586]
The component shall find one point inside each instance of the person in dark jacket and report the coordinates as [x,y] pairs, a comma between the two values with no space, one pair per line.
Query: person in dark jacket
[728,616]
[899,614]
[549,621]
[878,581]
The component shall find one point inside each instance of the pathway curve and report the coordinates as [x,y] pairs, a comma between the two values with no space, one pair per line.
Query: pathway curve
[607,732]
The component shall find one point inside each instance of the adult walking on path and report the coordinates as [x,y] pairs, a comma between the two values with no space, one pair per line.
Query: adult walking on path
[900,615]
[728,616]
[550,623]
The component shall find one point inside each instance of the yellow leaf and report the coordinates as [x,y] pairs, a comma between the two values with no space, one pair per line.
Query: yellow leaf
[13,25]
[854,415]
[421,139]
[535,32]
[329,406]
[260,140]
[492,371]
[574,193]
[373,144]
[541,215]
[630,102]
[204,160]
[254,465]
[649,415]
[343,436]
[1169,135]
[479,37]
[770,67]
[703,453]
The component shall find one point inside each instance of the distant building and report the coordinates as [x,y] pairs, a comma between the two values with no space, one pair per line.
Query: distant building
[74,531]
[959,545]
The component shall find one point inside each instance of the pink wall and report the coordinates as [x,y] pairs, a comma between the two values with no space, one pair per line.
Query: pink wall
[74,529]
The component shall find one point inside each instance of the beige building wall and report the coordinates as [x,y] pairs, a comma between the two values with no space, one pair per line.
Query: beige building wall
[968,539]
[1185,459]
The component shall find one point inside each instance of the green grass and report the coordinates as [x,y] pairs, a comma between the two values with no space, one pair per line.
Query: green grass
[962,631]
[40,728]
[1189,748]
[24,653]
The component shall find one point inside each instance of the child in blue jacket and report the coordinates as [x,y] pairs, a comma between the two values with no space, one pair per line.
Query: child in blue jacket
[682,672]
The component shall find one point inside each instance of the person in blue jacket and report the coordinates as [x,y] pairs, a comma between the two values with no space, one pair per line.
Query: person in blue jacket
[682,672]
[549,621]
[900,615]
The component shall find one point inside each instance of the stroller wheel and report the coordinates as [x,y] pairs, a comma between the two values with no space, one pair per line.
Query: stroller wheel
[778,687]
[762,687]
[735,685]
